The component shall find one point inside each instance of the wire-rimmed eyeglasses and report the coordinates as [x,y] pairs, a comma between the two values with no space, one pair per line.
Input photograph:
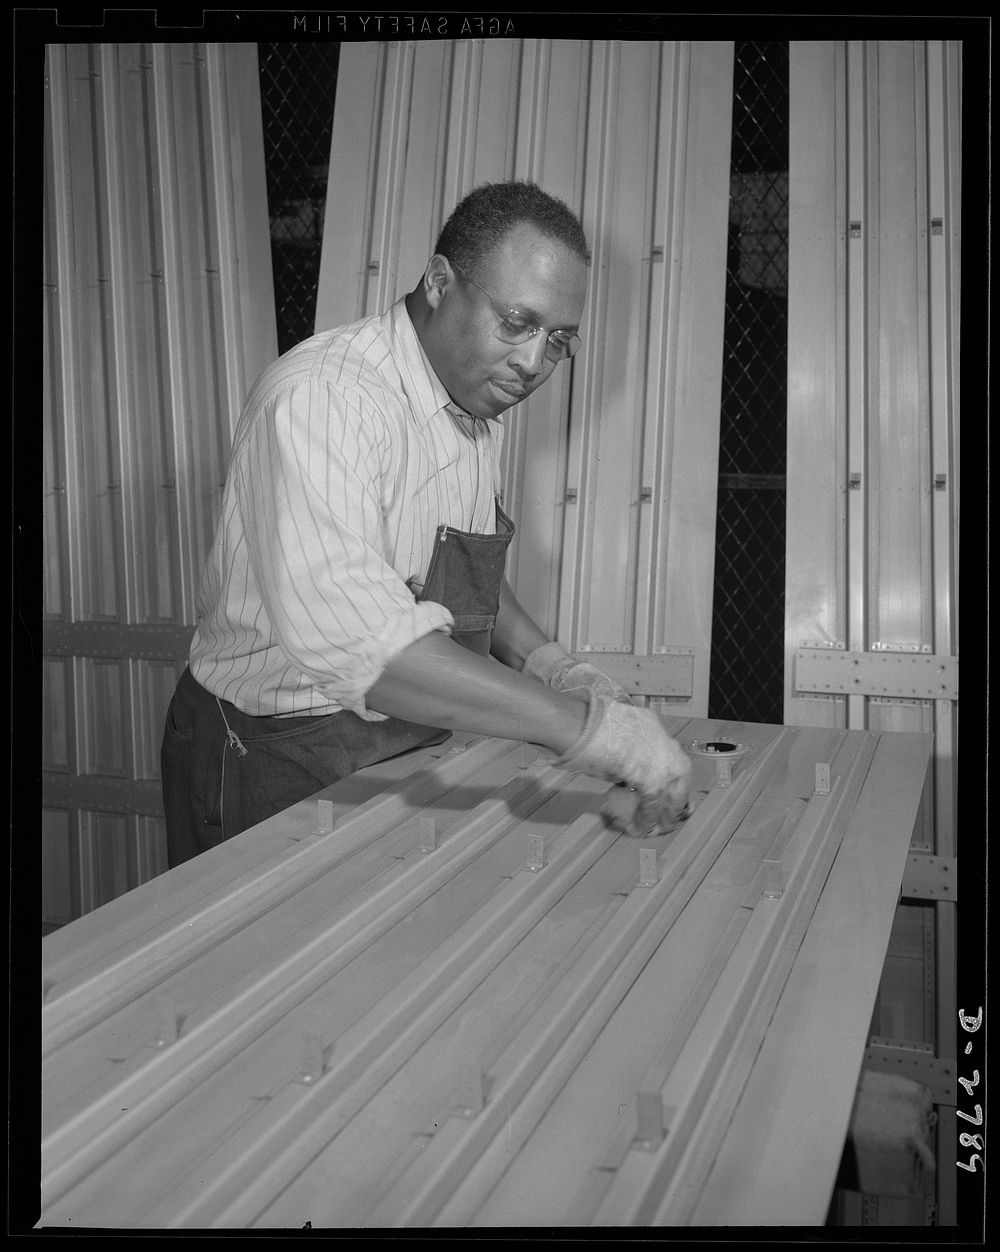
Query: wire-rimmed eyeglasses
[518,327]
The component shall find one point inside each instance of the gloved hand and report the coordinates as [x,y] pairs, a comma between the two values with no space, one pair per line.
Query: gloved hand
[626,744]
[554,667]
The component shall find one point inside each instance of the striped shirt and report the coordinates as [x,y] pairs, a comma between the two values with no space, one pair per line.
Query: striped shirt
[347,457]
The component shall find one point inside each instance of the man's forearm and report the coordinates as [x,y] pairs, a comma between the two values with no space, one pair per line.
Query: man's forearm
[437,682]
[516,635]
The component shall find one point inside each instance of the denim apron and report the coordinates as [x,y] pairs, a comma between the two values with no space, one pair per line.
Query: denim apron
[224,771]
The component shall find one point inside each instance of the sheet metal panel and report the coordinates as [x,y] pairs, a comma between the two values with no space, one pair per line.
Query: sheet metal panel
[159,310]
[873,401]
[527,1020]
[58,384]
[899,503]
[944,327]
[817,328]
[873,461]
[683,367]
[606,426]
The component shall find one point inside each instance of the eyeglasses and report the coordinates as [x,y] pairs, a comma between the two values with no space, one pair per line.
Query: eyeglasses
[517,327]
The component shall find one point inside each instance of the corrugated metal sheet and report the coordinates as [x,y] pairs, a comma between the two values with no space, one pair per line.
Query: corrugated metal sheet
[873,354]
[441,993]
[610,469]
[159,311]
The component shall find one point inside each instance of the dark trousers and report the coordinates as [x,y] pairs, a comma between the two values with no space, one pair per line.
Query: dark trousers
[215,786]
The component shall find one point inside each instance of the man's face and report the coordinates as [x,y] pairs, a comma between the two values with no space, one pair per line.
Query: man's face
[527,271]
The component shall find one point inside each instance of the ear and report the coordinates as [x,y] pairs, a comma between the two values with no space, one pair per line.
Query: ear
[438,280]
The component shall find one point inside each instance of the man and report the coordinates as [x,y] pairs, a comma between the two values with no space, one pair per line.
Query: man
[354,604]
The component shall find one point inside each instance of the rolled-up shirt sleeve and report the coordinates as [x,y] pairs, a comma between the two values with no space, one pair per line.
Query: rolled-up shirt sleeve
[308,476]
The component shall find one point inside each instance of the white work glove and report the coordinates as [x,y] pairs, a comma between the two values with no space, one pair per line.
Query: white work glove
[626,744]
[554,667]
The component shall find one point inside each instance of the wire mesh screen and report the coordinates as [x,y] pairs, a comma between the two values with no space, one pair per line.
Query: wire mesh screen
[297,84]
[746,674]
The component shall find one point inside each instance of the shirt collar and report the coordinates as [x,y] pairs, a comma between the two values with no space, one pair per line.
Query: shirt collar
[426,392]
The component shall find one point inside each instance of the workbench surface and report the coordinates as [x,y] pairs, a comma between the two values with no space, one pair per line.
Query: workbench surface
[442,993]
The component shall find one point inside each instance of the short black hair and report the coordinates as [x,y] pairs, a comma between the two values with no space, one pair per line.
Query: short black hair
[484,217]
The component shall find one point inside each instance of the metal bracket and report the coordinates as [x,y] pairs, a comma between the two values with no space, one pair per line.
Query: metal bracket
[312,1062]
[648,870]
[426,833]
[116,640]
[662,674]
[918,676]
[916,1061]
[929,877]
[103,794]
[470,1097]
[167,1021]
[649,1130]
